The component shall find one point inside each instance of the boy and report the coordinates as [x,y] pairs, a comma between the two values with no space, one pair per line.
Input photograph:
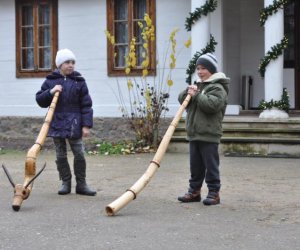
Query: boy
[205,113]
[72,120]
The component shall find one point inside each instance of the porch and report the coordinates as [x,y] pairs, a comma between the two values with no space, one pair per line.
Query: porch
[248,135]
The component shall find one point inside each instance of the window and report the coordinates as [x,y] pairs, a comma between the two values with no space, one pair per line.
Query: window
[122,22]
[36,35]
[289,30]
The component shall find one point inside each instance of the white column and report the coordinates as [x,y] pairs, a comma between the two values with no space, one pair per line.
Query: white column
[274,32]
[216,29]
[200,30]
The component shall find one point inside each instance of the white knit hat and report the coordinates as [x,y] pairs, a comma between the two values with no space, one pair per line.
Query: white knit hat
[64,55]
[208,61]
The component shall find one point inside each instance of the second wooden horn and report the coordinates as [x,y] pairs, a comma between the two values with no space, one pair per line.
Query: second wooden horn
[30,163]
[139,185]
[40,140]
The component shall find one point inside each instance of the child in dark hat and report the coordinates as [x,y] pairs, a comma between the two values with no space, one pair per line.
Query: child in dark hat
[72,120]
[205,114]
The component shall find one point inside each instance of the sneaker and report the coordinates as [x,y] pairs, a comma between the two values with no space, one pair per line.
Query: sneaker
[212,198]
[190,197]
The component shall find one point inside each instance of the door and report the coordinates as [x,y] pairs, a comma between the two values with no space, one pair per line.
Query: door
[292,52]
[297,55]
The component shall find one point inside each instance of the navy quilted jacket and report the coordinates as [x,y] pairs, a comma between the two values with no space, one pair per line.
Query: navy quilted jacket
[74,108]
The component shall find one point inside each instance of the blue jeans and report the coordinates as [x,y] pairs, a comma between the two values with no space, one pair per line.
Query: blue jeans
[76,145]
[204,164]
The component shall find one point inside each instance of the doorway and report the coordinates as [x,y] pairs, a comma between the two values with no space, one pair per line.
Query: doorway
[292,52]
[297,55]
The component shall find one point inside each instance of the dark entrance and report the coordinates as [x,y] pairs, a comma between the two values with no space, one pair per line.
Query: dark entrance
[292,53]
[297,54]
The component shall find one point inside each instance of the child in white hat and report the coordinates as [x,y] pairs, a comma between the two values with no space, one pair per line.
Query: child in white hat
[72,119]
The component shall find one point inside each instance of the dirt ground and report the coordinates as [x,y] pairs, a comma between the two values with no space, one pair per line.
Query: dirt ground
[260,206]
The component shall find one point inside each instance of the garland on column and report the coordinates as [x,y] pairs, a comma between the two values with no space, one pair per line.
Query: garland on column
[273,54]
[270,10]
[207,8]
[283,104]
[210,48]
[277,49]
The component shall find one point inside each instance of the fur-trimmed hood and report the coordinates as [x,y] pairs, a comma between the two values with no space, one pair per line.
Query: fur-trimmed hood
[220,78]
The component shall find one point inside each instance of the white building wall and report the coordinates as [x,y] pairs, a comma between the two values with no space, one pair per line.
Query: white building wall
[231,26]
[81,28]
[172,14]
[17,96]
[252,47]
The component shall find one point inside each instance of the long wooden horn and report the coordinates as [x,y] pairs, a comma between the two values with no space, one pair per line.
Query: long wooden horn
[139,185]
[30,166]
[22,192]
[37,175]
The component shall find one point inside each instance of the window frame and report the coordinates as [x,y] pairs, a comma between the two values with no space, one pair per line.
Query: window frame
[113,71]
[20,73]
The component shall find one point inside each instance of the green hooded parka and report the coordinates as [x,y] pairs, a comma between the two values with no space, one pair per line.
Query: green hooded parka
[206,109]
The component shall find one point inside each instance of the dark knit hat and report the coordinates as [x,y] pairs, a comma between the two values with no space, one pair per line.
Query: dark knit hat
[208,61]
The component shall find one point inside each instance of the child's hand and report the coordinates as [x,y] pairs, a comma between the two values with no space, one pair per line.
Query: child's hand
[85,131]
[192,90]
[56,88]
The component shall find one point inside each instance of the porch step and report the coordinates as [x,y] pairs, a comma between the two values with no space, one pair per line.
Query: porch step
[225,139]
[248,132]
[260,140]
[253,136]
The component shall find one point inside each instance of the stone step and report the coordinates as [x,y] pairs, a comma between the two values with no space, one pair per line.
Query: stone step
[233,139]
[261,140]
[252,132]
[261,130]
[251,136]
[241,149]
[251,122]
[251,126]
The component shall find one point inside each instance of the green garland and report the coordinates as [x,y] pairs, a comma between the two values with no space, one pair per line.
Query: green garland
[277,49]
[270,10]
[275,52]
[208,7]
[283,104]
[210,47]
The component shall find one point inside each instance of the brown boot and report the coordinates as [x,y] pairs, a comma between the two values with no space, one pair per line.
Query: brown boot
[190,197]
[212,198]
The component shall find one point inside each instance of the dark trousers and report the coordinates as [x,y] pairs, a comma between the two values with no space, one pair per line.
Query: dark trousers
[76,145]
[204,164]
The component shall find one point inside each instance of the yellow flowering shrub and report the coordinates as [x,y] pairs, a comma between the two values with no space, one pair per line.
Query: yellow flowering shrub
[148,97]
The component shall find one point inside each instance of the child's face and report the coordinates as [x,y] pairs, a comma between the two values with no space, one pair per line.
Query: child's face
[67,67]
[203,73]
